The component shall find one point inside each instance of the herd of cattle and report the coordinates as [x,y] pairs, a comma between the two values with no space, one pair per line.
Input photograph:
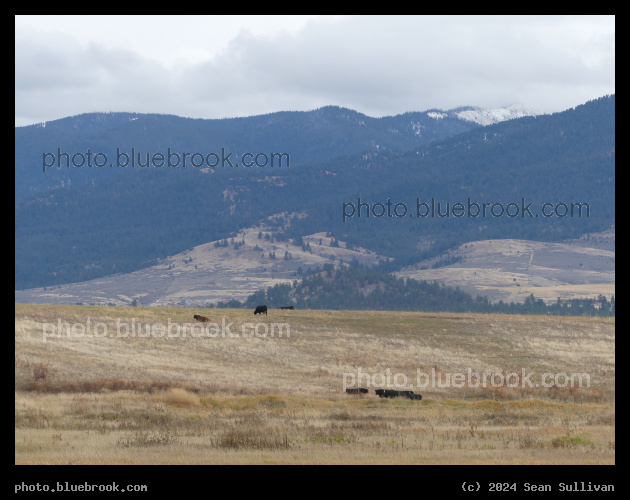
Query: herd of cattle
[387,393]
[382,393]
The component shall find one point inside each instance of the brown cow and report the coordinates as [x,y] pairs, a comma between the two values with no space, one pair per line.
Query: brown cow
[203,319]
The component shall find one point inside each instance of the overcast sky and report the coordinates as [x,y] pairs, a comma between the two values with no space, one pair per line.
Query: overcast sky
[226,66]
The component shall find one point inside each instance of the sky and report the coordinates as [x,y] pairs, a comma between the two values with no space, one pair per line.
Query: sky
[233,66]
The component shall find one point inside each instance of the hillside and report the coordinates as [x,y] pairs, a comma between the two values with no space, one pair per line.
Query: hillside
[207,274]
[308,137]
[511,270]
[236,269]
[129,221]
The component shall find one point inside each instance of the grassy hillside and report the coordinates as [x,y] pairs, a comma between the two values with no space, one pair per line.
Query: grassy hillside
[109,396]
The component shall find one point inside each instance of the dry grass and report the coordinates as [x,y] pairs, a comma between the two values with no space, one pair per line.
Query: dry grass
[185,276]
[147,400]
[180,397]
[512,269]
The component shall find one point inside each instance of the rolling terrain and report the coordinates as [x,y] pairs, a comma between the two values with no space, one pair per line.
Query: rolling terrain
[508,270]
[206,274]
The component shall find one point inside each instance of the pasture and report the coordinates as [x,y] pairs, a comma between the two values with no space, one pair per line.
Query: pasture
[116,385]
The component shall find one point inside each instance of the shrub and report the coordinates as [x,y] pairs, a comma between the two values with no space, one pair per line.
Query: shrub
[180,397]
[40,371]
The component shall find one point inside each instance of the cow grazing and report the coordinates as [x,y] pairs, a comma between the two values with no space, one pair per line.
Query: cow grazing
[288,308]
[203,319]
[260,309]
[390,393]
[359,390]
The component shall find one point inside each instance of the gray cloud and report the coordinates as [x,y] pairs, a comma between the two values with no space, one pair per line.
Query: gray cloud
[376,65]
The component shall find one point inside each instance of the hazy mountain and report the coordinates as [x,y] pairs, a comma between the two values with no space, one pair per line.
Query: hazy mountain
[307,137]
[106,220]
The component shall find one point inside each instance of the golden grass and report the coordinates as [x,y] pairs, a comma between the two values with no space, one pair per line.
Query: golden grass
[149,400]
[180,397]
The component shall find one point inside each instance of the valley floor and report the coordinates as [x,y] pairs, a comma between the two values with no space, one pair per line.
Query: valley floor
[106,395]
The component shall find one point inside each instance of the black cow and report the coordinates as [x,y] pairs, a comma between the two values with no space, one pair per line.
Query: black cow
[390,393]
[260,309]
[203,319]
[289,308]
[359,390]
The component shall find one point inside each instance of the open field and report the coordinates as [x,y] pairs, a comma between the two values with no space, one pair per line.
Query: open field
[90,390]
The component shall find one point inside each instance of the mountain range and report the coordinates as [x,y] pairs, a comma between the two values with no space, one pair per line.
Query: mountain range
[78,223]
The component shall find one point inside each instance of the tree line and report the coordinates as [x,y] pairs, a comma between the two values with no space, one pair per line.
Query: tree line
[351,288]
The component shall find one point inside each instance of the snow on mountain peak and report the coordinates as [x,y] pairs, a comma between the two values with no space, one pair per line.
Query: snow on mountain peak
[496,115]
[436,115]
